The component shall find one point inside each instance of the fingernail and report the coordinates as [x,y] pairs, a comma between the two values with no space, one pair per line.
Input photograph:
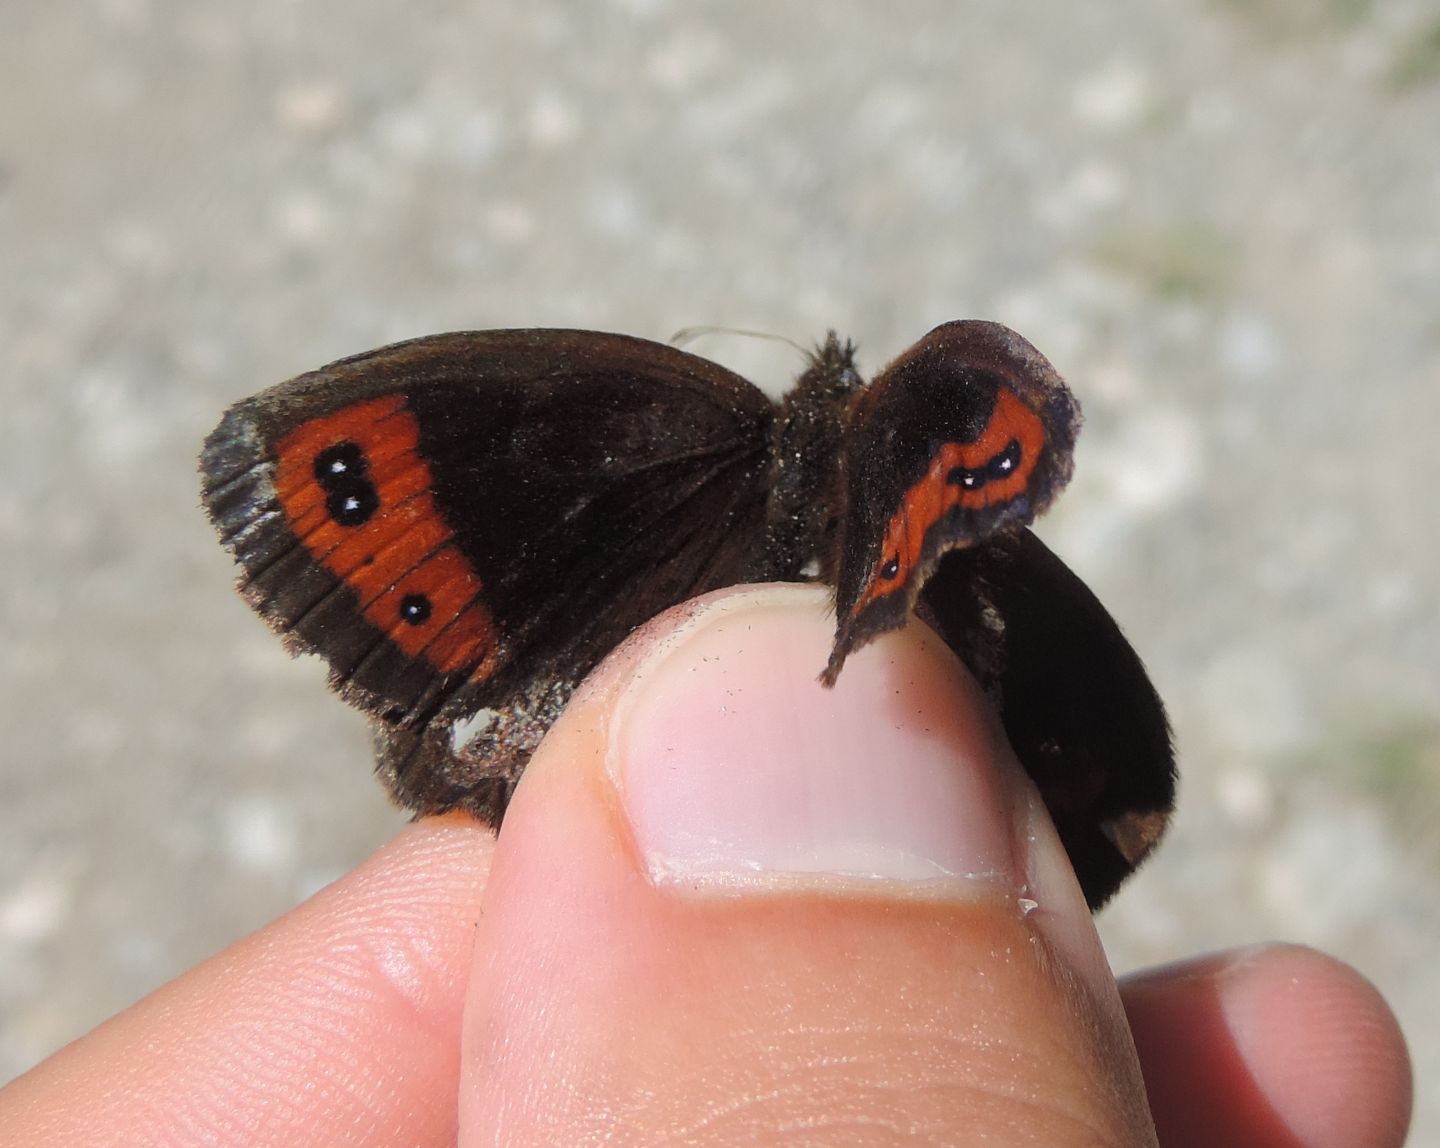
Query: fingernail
[735,765]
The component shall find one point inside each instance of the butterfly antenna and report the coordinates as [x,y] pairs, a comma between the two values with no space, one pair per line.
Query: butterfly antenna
[690,334]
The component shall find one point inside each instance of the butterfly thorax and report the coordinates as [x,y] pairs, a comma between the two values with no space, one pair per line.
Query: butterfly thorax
[806,481]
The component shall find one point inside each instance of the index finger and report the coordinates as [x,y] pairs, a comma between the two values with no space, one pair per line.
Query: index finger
[337,1024]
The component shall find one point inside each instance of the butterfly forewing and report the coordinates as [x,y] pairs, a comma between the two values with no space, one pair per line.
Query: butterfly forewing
[444,518]
[968,433]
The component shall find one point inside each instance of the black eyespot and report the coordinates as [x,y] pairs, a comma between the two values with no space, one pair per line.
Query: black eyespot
[964,476]
[344,459]
[1004,464]
[350,497]
[415,609]
[891,569]
[352,501]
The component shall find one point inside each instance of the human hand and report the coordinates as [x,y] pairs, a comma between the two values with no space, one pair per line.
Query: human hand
[724,911]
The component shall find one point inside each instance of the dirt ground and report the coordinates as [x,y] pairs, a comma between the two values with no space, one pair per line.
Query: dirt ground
[1220,218]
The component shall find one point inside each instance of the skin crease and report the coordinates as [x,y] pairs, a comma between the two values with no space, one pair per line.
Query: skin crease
[550,992]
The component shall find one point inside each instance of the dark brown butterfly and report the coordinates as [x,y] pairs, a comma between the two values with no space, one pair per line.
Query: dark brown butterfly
[463,525]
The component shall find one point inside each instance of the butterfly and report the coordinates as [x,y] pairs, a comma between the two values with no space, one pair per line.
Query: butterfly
[464,525]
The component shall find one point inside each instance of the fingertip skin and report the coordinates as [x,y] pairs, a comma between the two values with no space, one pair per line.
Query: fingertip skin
[1274,1045]
[337,1024]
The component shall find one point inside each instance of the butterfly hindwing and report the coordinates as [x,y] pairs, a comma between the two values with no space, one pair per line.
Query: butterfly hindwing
[472,520]
[1077,705]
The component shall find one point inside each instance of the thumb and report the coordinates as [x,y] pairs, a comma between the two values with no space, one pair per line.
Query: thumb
[730,906]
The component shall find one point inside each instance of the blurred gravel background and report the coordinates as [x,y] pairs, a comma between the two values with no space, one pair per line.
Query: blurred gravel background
[1220,219]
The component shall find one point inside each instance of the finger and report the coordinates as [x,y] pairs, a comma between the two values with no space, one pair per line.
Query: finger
[338,1024]
[732,907]
[1277,1045]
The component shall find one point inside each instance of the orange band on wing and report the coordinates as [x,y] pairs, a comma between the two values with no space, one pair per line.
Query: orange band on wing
[1014,430]
[357,494]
